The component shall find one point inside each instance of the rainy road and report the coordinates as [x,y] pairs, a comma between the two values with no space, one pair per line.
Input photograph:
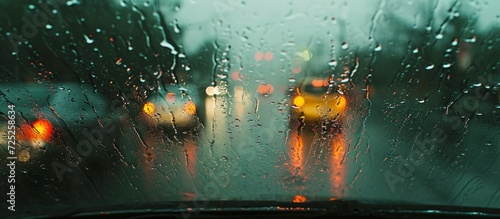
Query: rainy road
[243,149]
[252,147]
[419,79]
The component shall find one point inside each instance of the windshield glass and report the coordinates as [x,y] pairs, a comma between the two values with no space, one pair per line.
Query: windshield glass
[128,102]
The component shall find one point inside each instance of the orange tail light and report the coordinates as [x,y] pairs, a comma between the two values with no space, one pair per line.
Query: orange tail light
[41,129]
[190,108]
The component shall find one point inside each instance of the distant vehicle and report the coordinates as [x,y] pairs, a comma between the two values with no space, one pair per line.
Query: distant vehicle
[173,108]
[265,89]
[52,119]
[311,102]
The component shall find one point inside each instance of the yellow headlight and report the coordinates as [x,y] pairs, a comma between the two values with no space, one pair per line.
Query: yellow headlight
[341,103]
[190,108]
[299,101]
[149,108]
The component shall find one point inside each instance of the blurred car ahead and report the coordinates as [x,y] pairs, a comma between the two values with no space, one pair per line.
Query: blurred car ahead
[312,102]
[173,108]
[53,119]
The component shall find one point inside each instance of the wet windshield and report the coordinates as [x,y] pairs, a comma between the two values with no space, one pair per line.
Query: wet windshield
[126,102]
[316,88]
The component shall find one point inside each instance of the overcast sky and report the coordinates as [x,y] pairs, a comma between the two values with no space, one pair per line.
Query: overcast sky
[272,19]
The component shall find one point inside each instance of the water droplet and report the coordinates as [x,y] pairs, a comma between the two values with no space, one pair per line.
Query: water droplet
[378,48]
[48,26]
[420,100]
[446,65]
[73,2]
[429,67]
[176,26]
[333,62]
[31,7]
[292,79]
[454,42]
[415,50]
[88,39]
[345,45]
[471,40]
[439,36]
[123,3]
[165,44]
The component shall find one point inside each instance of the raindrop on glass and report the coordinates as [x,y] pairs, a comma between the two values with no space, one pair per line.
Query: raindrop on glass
[176,27]
[333,62]
[471,40]
[88,39]
[345,45]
